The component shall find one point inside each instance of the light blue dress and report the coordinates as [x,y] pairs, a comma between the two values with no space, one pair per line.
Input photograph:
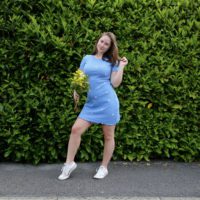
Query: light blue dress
[102,104]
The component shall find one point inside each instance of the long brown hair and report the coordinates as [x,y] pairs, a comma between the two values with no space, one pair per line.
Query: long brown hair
[111,55]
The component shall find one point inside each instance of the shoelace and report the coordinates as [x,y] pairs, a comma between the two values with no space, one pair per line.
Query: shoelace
[67,166]
[101,170]
[63,167]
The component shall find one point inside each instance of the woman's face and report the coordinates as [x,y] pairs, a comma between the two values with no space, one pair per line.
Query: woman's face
[103,44]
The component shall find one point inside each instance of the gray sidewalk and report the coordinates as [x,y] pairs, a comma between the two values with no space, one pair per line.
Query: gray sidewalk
[126,180]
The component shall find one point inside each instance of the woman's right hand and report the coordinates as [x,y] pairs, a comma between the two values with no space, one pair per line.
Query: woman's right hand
[76,96]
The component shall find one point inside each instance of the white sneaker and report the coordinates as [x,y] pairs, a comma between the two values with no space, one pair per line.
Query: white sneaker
[102,172]
[67,169]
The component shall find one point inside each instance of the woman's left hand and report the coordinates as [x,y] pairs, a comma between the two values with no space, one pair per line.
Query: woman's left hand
[123,62]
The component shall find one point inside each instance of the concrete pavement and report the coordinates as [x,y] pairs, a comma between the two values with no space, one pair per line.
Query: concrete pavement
[158,180]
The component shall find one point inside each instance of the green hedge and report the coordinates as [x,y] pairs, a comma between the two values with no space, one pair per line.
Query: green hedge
[42,44]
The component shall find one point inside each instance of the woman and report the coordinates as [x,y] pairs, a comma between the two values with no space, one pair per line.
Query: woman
[105,71]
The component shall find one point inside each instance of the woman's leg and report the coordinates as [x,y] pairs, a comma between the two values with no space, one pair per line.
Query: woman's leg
[109,144]
[79,127]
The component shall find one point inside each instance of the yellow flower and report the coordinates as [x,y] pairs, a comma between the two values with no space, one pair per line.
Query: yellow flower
[79,82]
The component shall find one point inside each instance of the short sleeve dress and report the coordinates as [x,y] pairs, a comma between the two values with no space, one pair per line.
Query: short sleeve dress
[102,104]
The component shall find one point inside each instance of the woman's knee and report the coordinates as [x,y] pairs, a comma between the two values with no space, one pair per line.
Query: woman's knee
[79,127]
[76,130]
[108,135]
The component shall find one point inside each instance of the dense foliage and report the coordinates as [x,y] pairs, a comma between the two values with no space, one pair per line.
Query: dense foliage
[42,44]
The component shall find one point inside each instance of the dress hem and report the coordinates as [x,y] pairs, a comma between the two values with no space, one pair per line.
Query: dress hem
[93,122]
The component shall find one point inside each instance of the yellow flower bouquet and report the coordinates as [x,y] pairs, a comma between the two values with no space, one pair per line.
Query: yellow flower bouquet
[79,83]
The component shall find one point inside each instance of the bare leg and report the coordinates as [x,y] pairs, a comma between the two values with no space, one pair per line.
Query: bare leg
[78,129]
[109,144]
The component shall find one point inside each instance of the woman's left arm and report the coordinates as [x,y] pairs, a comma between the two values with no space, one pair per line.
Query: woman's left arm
[116,77]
